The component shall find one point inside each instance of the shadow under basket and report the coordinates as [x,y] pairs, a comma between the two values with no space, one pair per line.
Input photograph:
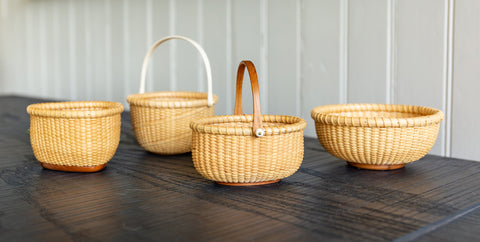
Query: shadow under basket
[377,136]
[75,136]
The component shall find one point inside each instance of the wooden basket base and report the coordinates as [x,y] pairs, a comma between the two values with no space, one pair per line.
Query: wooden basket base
[376,167]
[73,168]
[247,183]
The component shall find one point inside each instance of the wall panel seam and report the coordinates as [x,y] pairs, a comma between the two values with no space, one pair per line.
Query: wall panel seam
[200,36]
[29,47]
[229,56]
[149,41]
[126,48]
[108,51]
[172,49]
[299,55]
[391,51]
[72,51]
[5,87]
[43,50]
[88,51]
[343,55]
[264,55]
[55,53]
[448,75]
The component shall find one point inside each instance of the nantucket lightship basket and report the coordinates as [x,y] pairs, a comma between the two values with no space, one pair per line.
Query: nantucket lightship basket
[377,136]
[161,119]
[75,136]
[247,149]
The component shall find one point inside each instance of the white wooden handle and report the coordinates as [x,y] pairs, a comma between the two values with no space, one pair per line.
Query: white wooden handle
[206,62]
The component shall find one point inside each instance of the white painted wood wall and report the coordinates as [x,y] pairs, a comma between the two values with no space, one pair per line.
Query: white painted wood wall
[308,53]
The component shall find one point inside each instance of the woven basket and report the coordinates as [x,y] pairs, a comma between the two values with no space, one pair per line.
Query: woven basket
[247,149]
[161,119]
[75,136]
[377,136]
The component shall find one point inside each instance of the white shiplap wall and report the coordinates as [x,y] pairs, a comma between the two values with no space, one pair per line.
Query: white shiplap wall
[307,52]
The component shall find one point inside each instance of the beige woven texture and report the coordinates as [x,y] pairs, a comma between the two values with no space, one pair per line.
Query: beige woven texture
[161,119]
[377,134]
[75,133]
[247,149]
[226,150]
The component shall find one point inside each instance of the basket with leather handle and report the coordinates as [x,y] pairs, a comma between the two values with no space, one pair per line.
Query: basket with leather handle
[161,119]
[75,136]
[247,149]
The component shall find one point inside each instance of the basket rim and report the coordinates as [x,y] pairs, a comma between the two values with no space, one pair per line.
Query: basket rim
[67,109]
[287,124]
[197,99]
[429,116]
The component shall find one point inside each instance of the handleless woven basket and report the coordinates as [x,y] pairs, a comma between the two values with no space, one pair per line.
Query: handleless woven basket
[75,136]
[161,119]
[247,149]
[377,136]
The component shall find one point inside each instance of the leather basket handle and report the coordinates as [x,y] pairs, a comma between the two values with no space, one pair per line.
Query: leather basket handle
[258,129]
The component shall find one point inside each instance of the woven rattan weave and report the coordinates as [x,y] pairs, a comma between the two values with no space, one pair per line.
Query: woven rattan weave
[377,136]
[75,136]
[161,119]
[247,149]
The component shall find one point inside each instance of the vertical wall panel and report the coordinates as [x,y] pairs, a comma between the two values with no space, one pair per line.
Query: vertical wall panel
[96,49]
[186,58]
[62,50]
[34,57]
[12,45]
[116,49]
[160,65]
[4,86]
[28,56]
[215,44]
[72,64]
[4,46]
[79,54]
[108,50]
[367,51]
[17,45]
[54,45]
[420,56]
[136,42]
[89,36]
[320,57]
[466,86]
[44,50]
[282,53]
[20,70]
[49,43]
[246,37]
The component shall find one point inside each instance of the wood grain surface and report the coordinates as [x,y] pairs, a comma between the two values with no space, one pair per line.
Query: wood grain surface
[143,196]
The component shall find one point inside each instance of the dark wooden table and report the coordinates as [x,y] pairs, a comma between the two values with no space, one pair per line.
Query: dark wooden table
[142,196]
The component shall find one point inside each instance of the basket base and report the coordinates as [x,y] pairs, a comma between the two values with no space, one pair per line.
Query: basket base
[376,167]
[73,168]
[247,183]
